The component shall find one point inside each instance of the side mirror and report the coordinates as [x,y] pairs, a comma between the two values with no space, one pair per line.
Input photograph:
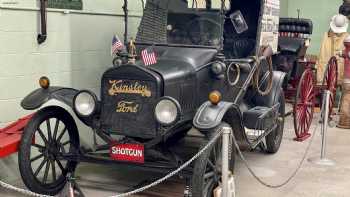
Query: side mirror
[239,22]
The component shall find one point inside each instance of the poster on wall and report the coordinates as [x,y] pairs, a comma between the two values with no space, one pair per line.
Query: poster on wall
[66,4]
[270,24]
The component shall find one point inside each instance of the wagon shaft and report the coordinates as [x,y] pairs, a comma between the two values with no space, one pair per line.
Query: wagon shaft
[11,135]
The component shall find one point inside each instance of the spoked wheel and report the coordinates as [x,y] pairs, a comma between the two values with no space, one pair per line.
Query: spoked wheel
[51,132]
[207,171]
[330,81]
[304,105]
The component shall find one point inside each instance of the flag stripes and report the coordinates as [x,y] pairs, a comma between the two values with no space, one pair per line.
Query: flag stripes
[148,56]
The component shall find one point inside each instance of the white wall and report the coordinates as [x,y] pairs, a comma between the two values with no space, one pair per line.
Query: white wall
[75,54]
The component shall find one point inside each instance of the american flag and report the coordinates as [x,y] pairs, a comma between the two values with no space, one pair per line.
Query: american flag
[117,45]
[148,56]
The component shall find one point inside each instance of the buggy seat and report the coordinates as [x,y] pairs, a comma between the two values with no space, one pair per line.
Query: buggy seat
[294,33]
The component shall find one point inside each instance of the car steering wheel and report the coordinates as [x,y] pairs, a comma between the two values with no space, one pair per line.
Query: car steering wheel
[200,31]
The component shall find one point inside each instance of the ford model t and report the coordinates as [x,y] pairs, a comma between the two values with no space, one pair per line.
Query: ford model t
[191,51]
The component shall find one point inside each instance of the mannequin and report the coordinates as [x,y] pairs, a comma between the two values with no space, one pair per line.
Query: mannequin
[344,120]
[332,44]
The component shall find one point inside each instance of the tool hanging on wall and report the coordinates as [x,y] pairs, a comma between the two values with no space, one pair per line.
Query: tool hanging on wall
[43,35]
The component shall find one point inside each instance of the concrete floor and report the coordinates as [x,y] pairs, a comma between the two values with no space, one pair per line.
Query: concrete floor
[311,181]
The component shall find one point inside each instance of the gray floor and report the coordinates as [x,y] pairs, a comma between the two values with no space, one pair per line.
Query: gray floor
[311,181]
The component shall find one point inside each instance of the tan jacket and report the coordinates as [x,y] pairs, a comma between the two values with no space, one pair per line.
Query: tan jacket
[331,45]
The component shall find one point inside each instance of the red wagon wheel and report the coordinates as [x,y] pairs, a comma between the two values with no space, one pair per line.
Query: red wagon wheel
[304,105]
[330,81]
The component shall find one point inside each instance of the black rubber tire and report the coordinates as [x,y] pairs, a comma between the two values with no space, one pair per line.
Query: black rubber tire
[274,139]
[201,163]
[24,157]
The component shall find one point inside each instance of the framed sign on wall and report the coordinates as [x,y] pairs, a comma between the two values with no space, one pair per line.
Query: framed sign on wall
[66,4]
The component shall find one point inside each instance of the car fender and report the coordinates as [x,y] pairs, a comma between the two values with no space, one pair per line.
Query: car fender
[210,116]
[41,96]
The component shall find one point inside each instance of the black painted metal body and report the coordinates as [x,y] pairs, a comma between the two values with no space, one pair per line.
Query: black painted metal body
[182,72]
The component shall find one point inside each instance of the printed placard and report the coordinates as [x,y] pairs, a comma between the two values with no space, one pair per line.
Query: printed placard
[134,153]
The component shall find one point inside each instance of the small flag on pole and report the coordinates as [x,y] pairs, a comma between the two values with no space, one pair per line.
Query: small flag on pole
[148,56]
[117,45]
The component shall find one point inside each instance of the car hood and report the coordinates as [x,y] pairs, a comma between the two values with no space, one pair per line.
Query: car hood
[174,63]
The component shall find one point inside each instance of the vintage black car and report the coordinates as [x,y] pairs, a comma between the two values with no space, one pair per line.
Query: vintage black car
[205,50]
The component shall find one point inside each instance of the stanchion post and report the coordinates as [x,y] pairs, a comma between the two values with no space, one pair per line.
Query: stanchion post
[325,123]
[325,115]
[226,132]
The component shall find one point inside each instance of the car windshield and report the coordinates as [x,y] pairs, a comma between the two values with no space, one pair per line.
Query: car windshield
[182,22]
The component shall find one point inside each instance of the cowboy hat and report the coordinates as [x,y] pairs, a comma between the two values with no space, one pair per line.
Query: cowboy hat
[339,24]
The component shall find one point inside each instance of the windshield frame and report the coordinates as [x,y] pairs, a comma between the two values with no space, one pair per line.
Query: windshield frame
[222,11]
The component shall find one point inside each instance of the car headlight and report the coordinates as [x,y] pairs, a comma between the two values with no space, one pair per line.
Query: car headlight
[85,103]
[167,111]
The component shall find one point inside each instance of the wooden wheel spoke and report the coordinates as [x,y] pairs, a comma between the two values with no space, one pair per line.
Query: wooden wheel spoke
[300,113]
[40,167]
[56,129]
[36,158]
[47,169]
[310,93]
[38,146]
[60,166]
[54,177]
[48,125]
[64,130]
[43,137]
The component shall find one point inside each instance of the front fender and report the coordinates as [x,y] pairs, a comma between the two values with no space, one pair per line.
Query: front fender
[210,116]
[41,96]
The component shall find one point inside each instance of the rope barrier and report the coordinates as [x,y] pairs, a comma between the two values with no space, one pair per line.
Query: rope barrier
[288,179]
[157,182]
[173,173]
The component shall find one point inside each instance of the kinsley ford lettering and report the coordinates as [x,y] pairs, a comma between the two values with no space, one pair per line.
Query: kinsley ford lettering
[127,107]
[118,87]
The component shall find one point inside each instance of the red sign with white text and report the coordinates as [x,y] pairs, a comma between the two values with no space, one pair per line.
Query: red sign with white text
[128,152]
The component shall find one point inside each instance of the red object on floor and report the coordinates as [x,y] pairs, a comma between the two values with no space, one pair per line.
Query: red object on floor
[11,135]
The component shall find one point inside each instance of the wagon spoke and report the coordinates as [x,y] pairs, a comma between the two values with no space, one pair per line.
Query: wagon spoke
[60,166]
[40,167]
[64,130]
[311,89]
[38,146]
[56,129]
[43,136]
[37,157]
[47,169]
[48,125]
[54,177]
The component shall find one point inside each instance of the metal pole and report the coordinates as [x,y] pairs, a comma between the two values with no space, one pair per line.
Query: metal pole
[326,98]
[325,115]
[225,160]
